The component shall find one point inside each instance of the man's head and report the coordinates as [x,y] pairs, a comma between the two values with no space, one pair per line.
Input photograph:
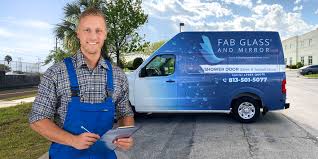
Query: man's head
[91,31]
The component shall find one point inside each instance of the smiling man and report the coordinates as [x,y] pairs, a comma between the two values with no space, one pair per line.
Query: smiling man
[78,98]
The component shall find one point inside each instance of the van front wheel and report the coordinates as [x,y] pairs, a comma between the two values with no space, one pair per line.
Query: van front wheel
[246,109]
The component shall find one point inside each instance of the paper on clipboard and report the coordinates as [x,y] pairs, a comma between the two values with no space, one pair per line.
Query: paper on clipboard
[120,132]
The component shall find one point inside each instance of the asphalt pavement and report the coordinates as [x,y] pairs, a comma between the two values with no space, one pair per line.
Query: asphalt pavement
[290,133]
[302,94]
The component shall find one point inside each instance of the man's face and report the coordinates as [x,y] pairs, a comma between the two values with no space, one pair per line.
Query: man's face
[92,33]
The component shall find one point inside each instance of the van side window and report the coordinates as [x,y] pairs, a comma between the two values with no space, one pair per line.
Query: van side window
[163,65]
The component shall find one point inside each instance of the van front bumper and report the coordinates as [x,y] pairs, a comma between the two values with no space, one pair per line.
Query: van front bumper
[286,105]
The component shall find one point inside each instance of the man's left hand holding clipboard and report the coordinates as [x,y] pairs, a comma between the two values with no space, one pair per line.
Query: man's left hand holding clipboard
[118,137]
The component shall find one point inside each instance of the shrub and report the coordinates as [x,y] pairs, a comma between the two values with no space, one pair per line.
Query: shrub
[293,66]
[299,65]
[129,65]
[137,62]
[4,68]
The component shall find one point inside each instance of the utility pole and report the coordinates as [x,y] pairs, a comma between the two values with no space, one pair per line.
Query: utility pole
[38,63]
[20,63]
[181,25]
[297,41]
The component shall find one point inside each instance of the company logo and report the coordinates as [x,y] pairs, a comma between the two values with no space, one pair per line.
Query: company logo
[207,51]
[251,45]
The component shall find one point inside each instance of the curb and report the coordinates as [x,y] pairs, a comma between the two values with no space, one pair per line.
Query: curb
[4,104]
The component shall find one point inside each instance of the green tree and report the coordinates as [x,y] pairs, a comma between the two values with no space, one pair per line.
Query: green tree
[153,47]
[5,68]
[123,17]
[8,58]
[56,56]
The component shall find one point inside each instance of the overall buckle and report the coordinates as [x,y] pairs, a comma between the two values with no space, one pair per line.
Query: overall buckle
[109,93]
[74,92]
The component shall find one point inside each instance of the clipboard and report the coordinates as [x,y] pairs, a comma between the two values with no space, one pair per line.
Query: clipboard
[121,132]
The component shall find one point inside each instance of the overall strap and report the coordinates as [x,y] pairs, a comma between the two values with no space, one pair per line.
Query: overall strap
[72,76]
[109,80]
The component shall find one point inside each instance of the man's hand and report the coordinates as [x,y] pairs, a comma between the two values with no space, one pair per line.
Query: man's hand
[124,143]
[84,140]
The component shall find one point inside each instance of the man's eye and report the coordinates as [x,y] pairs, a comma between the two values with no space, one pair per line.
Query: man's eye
[86,30]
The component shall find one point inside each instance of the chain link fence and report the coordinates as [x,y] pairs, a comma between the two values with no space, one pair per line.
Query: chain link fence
[18,66]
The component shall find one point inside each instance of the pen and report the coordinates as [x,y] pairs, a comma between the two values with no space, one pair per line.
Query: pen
[85,129]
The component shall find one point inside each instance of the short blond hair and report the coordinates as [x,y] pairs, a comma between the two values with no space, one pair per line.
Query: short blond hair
[93,12]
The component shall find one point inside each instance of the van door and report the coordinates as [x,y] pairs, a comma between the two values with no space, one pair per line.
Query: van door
[196,89]
[156,86]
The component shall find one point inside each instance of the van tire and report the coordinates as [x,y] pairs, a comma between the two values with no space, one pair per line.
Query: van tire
[246,109]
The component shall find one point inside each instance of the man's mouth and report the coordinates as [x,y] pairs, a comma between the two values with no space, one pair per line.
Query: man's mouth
[90,43]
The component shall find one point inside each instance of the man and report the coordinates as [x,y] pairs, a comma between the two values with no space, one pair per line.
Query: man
[77,98]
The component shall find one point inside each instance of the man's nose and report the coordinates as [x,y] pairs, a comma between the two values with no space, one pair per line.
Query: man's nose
[93,35]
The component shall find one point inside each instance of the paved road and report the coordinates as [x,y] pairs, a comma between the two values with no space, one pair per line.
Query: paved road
[302,93]
[282,134]
[17,92]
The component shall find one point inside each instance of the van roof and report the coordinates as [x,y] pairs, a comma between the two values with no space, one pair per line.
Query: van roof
[190,41]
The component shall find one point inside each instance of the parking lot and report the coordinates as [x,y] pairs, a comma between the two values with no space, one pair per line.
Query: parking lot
[302,93]
[290,133]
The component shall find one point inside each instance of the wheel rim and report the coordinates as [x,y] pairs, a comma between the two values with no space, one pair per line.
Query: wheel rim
[246,110]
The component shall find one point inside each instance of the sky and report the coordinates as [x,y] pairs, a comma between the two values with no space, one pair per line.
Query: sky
[26,26]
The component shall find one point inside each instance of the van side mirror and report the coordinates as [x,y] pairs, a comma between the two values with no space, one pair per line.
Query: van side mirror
[143,72]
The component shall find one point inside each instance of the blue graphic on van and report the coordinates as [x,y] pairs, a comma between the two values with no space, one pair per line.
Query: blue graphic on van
[207,51]
[241,72]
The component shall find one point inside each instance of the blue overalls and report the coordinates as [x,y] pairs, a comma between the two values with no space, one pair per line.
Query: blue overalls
[97,118]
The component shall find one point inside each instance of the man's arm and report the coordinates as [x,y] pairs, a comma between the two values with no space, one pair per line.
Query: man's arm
[124,113]
[126,121]
[52,132]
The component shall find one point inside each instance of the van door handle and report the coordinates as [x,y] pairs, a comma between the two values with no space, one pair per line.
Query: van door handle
[170,81]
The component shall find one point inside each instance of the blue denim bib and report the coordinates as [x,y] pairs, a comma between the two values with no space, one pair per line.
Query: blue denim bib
[97,118]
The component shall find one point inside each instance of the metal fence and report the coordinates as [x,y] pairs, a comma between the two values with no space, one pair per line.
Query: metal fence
[18,66]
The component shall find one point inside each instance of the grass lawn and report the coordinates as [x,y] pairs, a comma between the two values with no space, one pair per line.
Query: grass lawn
[17,140]
[312,76]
